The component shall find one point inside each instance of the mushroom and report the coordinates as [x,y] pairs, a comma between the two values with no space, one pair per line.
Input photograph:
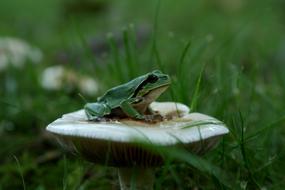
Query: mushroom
[119,143]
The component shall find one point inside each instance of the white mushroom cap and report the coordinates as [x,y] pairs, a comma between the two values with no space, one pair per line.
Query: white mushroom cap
[118,140]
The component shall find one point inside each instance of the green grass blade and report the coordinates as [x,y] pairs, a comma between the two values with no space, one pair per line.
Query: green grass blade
[195,97]
[20,172]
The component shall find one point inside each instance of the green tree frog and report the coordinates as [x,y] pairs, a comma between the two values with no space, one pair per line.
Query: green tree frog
[130,99]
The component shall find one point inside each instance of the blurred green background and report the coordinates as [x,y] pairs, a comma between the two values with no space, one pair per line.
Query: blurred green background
[50,51]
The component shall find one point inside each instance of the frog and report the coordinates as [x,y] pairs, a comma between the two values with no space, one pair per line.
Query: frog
[131,99]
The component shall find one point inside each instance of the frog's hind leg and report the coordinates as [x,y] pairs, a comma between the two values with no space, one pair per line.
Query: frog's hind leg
[95,111]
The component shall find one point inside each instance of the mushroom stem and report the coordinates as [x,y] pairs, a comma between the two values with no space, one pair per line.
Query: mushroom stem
[136,178]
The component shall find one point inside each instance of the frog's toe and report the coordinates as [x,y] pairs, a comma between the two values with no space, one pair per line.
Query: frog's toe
[153,118]
[93,118]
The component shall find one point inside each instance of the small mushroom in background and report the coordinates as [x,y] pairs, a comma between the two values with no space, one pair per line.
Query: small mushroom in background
[58,77]
[16,52]
[120,143]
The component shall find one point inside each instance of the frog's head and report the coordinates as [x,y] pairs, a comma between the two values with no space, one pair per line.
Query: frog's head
[154,84]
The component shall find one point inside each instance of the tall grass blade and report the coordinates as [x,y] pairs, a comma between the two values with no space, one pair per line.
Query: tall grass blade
[118,70]
[195,97]
[128,54]
[20,172]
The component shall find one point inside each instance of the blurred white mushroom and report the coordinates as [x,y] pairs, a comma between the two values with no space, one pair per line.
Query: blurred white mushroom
[119,143]
[52,78]
[17,52]
[88,86]
[57,78]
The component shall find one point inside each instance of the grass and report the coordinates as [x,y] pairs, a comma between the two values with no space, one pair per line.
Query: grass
[20,172]
[225,60]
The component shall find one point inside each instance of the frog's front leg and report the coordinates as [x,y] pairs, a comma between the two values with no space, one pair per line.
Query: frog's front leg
[129,110]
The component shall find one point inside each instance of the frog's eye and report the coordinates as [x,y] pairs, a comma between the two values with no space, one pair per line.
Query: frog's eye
[152,78]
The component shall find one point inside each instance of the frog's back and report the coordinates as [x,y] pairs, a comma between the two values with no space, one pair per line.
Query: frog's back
[116,95]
